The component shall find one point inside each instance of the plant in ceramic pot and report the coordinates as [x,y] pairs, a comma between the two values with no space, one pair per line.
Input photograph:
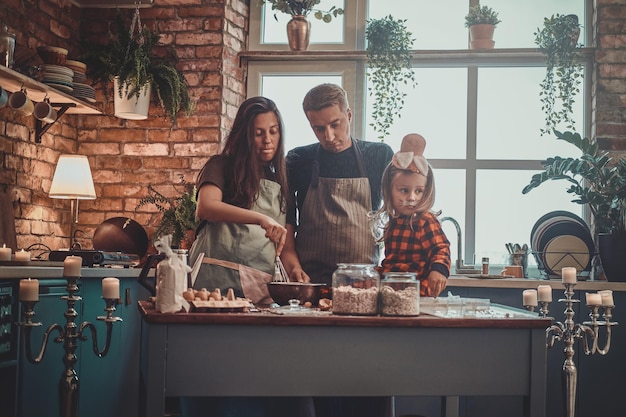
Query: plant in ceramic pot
[481,22]
[299,28]
[389,46]
[558,40]
[598,181]
[129,58]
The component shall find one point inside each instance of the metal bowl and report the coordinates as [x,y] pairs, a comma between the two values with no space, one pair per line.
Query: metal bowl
[282,292]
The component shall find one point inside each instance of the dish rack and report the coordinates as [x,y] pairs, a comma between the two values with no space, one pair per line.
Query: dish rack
[584,271]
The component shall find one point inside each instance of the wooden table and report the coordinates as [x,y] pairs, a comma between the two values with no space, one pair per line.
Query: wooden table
[264,354]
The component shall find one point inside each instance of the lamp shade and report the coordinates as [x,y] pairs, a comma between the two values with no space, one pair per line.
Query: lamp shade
[72,179]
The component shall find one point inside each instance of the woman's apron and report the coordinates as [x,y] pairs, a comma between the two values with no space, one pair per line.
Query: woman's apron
[239,256]
[333,225]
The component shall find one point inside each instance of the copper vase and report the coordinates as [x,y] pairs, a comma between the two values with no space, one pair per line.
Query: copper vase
[298,30]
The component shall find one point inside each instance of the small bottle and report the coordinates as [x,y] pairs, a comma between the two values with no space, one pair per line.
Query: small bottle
[485,266]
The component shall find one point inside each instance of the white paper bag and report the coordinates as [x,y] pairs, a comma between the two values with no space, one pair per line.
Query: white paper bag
[171,279]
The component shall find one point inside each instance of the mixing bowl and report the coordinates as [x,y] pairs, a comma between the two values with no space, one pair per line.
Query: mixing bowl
[282,292]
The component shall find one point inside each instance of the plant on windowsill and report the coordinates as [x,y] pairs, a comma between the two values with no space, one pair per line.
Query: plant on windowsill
[129,56]
[481,22]
[303,8]
[558,40]
[598,181]
[389,46]
[178,214]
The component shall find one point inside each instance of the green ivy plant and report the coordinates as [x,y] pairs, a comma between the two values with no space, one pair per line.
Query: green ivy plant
[481,15]
[595,179]
[389,46]
[130,57]
[558,40]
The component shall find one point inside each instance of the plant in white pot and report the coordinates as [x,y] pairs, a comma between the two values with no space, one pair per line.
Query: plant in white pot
[481,22]
[129,60]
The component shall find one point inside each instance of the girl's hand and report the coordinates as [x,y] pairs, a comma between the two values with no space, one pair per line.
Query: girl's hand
[436,283]
[274,232]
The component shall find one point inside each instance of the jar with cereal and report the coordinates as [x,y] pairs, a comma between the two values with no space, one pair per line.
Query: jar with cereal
[355,289]
[400,294]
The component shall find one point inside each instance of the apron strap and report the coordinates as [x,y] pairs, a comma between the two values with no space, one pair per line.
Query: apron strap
[225,264]
[315,168]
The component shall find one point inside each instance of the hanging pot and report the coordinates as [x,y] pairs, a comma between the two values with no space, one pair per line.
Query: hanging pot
[298,31]
[612,250]
[481,36]
[132,108]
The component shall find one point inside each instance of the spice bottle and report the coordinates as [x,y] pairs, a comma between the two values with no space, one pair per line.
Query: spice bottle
[485,270]
[355,289]
[400,294]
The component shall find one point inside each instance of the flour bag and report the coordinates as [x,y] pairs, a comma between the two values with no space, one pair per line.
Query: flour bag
[171,279]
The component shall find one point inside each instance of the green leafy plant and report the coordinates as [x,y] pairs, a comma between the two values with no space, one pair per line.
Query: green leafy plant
[178,214]
[481,15]
[389,46]
[595,179]
[131,57]
[558,40]
[303,8]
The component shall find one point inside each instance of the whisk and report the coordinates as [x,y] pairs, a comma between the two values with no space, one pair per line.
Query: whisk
[280,274]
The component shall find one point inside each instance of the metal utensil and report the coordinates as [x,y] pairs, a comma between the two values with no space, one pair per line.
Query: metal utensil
[280,274]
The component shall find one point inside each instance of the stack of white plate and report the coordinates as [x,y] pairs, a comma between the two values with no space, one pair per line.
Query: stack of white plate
[61,78]
[82,90]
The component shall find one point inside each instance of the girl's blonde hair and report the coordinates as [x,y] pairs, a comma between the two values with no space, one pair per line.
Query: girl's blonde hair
[379,220]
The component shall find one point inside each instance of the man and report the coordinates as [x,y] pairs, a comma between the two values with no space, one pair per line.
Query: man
[334,184]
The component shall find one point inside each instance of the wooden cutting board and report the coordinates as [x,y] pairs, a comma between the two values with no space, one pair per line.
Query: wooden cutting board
[7,221]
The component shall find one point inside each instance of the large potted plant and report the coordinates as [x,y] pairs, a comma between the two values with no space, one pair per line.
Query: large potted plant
[598,181]
[299,28]
[558,40]
[389,67]
[130,61]
[481,22]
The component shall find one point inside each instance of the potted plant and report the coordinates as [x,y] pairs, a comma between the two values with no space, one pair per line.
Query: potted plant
[129,59]
[389,67]
[481,22]
[299,28]
[558,40]
[599,182]
[178,214]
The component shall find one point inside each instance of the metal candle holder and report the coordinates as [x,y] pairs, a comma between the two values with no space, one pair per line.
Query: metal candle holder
[569,332]
[69,335]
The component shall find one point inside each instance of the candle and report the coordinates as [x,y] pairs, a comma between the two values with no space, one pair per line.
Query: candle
[71,266]
[544,293]
[530,297]
[5,253]
[29,290]
[568,275]
[607,297]
[22,255]
[111,288]
[593,299]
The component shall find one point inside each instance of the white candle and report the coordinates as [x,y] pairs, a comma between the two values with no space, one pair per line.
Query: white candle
[29,290]
[607,297]
[71,266]
[544,293]
[111,288]
[568,275]
[5,253]
[530,297]
[593,299]
[22,255]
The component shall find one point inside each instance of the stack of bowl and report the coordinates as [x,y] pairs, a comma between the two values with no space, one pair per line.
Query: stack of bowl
[54,72]
[82,90]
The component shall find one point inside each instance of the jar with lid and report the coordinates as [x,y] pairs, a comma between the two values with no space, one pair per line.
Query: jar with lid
[400,294]
[7,46]
[355,289]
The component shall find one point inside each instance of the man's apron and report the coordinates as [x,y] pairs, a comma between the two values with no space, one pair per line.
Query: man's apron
[333,225]
[239,256]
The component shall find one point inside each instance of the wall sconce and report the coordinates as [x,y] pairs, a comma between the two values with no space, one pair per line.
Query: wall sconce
[72,180]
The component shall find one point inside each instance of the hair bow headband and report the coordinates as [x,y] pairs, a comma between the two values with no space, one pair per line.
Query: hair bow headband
[410,156]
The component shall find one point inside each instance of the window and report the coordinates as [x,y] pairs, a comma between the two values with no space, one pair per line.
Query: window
[479,112]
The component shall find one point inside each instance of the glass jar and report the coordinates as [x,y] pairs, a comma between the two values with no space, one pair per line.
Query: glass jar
[355,289]
[400,294]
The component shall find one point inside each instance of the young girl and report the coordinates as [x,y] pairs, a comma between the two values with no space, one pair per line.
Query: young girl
[413,237]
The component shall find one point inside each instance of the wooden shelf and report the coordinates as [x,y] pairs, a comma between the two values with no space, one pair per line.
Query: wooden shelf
[13,81]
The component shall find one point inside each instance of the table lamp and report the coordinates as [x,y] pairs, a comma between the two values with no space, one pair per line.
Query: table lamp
[72,180]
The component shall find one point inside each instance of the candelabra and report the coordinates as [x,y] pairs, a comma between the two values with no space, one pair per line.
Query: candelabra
[68,335]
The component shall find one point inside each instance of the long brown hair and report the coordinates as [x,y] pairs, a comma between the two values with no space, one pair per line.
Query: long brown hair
[246,170]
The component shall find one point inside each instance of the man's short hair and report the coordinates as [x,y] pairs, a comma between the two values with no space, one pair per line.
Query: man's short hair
[325,95]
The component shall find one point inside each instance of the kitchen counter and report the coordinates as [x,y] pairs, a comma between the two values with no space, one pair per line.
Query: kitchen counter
[54,270]
[330,355]
[524,283]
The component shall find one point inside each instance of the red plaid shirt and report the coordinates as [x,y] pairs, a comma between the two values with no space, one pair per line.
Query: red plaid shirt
[422,249]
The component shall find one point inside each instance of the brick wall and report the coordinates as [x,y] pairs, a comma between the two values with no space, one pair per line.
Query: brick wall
[124,155]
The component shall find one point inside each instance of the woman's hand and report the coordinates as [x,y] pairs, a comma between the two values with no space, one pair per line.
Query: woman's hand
[274,232]
[436,283]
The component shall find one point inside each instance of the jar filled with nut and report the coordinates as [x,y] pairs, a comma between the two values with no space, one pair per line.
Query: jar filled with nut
[400,294]
[355,289]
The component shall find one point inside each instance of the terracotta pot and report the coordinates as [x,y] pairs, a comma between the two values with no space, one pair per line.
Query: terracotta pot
[298,31]
[481,36]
